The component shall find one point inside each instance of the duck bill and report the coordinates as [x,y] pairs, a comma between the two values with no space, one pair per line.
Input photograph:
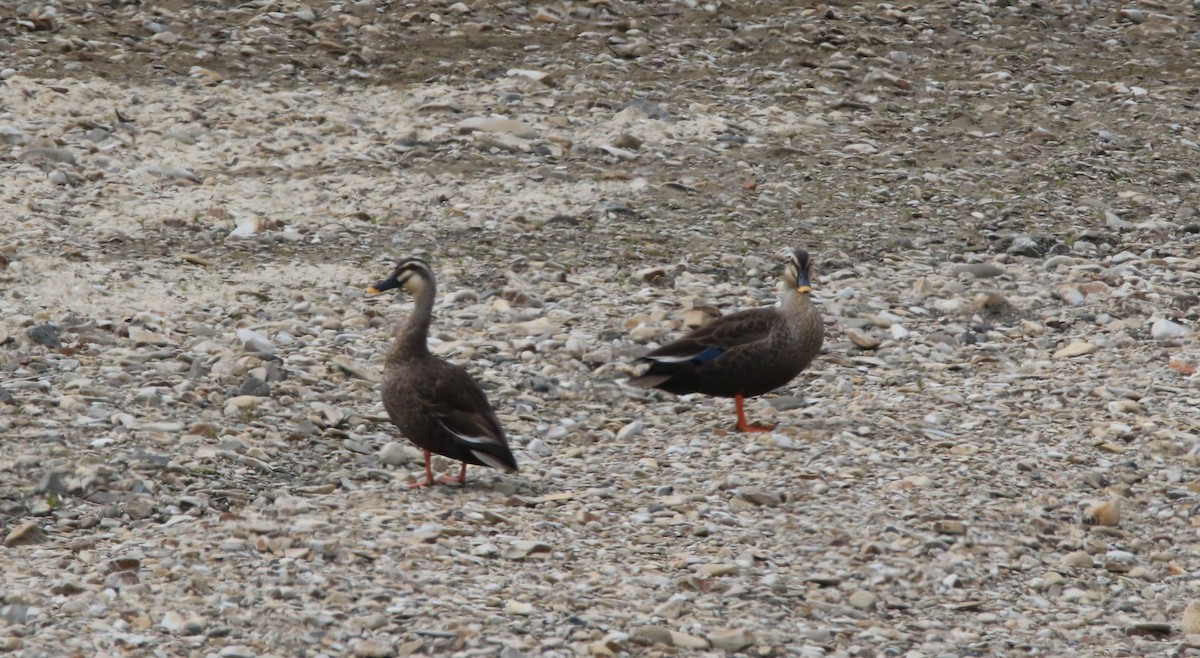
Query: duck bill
[804,283]
[382,285]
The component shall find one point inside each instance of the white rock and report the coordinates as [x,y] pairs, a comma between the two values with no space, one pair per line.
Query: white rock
[537,76]
[393,454]
[863,600]
[242,403]
[1075,348]
[172,622]
[485,550]
[252,341]
[1164,329]
[631,430]
[539,448]
[173,172]
[619,153]
[518,608]
[247,226]
[576,346]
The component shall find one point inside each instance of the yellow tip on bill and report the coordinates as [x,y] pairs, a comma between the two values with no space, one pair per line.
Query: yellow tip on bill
[804,289]
[371,290]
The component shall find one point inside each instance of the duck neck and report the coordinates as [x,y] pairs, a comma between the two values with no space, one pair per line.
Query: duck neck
[796,303]
[412,336]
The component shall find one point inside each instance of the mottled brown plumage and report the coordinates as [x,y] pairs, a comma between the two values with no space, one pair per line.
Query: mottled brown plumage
[436,404]
[744,354]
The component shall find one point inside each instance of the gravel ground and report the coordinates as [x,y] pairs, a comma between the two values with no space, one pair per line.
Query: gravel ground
[996,453]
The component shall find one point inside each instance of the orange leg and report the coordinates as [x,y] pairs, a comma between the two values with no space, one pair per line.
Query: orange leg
[461,479]
[428,474]
[744,426]
[429,480]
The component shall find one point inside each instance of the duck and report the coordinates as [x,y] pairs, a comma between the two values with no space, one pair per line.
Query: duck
[434,403]
[747,353]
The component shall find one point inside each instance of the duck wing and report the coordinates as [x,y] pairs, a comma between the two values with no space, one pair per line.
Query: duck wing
[719,342]
[462,409]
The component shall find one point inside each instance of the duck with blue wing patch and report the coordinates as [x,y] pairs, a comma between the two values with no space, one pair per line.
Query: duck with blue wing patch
[744,354]
[435,403]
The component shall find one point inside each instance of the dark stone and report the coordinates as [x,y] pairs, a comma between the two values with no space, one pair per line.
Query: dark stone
[45,335]
[198,369]
[52,482]
[254,386]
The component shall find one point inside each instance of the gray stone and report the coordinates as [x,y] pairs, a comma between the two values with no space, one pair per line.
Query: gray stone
[980,270]
[393,454]
[760,496]
[46,335]
[863,600]
[254,386]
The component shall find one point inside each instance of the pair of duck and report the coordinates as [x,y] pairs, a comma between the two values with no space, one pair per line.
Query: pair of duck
[441,408]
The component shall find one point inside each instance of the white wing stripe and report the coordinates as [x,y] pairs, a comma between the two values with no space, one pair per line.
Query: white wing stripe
[469,439]
[675,359]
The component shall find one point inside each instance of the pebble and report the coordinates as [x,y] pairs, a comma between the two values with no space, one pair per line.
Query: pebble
[1077,559]
[518,608]
[523,548]
[1024,245]
[24,534]
[1153,628]
[1107,513]
[718,570]
[46,335]
[863,600]
[254,387]
[535,75]
[950,527]
[980,270]
[1075,348]
[141,336]
[485,550]
[172,622]
[672,609]
[651,635]
[252,341]
[1191,619]
[1167,330]
[539,448]
[685,641]
[242,403]
[734,639]
[760,497]
[631,430]
[861,339]
[394,454]
[627,141]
